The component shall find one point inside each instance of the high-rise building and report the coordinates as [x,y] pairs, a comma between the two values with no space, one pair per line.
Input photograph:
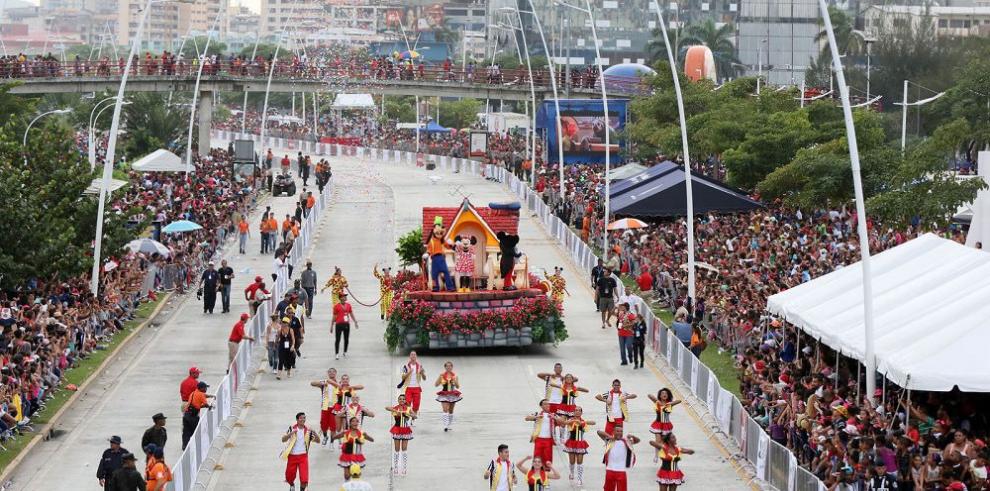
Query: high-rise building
[777,38]
[299,16]
[168,22]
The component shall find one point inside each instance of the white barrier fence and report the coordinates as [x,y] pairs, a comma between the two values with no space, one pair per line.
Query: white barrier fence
[211,422]
[773,462]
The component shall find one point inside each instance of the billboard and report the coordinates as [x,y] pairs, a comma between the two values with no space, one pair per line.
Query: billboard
[414,18]
[583,125]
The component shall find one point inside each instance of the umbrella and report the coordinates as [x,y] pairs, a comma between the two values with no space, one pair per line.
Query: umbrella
[627,223]
[181,226]
[147,246]
[110,266]
[701,265]
[409,54]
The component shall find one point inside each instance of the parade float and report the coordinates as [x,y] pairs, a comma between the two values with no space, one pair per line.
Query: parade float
[474,288]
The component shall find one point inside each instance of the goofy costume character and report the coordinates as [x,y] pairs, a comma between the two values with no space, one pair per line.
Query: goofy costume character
[435,249]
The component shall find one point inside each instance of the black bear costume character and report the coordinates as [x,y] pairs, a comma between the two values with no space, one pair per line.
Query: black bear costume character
[507,244]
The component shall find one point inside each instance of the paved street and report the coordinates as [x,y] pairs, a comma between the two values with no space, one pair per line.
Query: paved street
[145,378]
[375,204]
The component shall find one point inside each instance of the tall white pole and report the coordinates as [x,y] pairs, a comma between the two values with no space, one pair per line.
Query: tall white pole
[532,95]
[864,240]
[608,124]
[904,109]
[254,53]
[556,98]
[687,155]
[759,66]
[268,88]
[192,109]
[802,93]
[94,281]
[417,124]
[90,140]
[316,115]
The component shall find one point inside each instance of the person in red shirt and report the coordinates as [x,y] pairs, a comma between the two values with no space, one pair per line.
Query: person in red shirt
[645,281]
[624,325]
[251,293]
[189,384]
[342,315]
[236,336]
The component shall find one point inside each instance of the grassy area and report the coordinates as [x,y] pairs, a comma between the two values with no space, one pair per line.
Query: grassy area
[720,362]
[76,375]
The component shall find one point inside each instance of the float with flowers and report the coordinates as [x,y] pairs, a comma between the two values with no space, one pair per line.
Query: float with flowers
[474,288]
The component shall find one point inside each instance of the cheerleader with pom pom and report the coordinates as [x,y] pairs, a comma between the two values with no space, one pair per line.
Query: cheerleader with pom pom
[448,395]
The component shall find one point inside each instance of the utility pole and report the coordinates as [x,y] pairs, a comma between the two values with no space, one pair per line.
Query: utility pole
[567,55]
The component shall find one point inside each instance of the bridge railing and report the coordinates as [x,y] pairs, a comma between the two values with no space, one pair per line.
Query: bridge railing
[479,75]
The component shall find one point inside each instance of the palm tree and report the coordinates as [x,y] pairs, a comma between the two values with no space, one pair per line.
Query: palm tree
[719,40]
[848,41]
[657,49]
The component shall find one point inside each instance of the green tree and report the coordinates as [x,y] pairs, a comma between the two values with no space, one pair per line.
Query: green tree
[461,113]
[196,44]
[151,125]
[45,209]
[401,108]
[719,40]
[410,248]
[768,147]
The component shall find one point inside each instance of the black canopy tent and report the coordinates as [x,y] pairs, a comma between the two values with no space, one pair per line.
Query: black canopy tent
[648,175]
[662,193]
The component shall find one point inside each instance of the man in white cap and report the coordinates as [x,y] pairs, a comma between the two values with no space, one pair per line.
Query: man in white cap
[356,484]
[209,283]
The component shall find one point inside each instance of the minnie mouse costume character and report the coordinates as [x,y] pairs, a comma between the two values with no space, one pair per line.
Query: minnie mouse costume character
[507,244]
[464,261]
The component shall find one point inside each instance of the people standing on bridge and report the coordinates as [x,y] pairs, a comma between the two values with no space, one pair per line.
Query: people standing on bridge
[449,394]
[544,426]
[296,453]
[127,477]
[190,413]
[402,416]
[308,282]
[111,461]
[337,285]
[157,434]
[352,439]
[384,289]
[226,282]
[539,474]
[616,410]
[669,476]
[236,336]
[209,283]
[618,459]
[343,314]
[413,375]
[576,446]
[501,475]
[328,391]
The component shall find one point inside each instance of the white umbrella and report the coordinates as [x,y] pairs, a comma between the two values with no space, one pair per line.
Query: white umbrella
[147,246]
[702,265]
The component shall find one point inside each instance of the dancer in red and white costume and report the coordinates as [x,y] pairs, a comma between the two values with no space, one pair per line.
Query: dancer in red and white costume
[413,376]
[663,404]
[296,453]
[544,423]
[539,474]
[619,458]
[569,393]
[670,475]
[448,395]
[500,474]
[402,415]
[352,440]
[344,393]
[616,412]
[576,446]
[354,409]
[328,389]
[554,394]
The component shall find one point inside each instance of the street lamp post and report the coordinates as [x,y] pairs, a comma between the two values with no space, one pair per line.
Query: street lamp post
[24,143]
[192,108]
[92,127]
[869,40]
[864,241]
[94,282]
[904,110]
[607,121]
[91,142]
[687,155]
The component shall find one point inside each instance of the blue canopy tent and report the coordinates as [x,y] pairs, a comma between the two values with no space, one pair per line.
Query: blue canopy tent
[434,127]
[661,193]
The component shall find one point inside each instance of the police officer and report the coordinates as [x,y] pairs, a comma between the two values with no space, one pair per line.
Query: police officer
[112,460]
[881,481]
[209,283]
[127,478]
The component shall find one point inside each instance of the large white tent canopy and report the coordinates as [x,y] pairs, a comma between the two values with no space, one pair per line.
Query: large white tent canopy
[159,161]
[354,101]
[931,302]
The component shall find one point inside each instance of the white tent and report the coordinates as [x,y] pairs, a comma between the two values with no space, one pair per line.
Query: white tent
[354,101]
[625,171]
[930,306]
[94,187]
[159,161]
[979,225]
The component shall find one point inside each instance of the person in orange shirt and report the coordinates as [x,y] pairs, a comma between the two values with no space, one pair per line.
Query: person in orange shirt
[190,414]
[159,473]
[286,226]
[265,231]
[295,230]
[244,231]
[310,203]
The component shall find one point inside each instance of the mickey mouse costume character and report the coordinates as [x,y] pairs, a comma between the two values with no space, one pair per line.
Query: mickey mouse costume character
[435,249]
[507,244]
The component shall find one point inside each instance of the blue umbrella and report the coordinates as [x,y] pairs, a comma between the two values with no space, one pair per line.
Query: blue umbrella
[181,226]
